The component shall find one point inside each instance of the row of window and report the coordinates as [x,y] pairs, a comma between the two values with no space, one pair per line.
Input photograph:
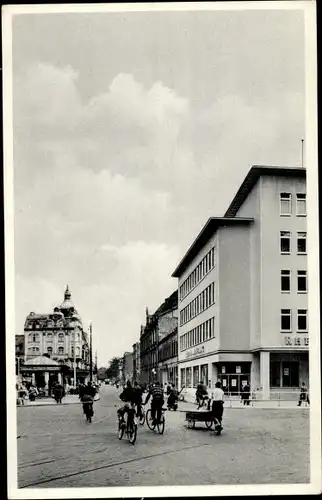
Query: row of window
[197,335]
[168,350]
[34,337]
[204,300]
[60,350]
[286,281]
[285,242]
[200,271]
[286,204]
[190,377]
[286,320]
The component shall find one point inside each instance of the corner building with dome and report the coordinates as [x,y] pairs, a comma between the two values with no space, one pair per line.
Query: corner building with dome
[50,341]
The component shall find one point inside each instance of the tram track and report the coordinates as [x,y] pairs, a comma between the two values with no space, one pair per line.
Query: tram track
[110,465]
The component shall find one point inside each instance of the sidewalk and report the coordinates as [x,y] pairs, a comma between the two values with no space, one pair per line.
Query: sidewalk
[234,404]
[67,400]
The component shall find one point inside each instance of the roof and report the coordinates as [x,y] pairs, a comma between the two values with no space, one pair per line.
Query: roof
[251,179]
[169,304]
[41,361]
[207,231]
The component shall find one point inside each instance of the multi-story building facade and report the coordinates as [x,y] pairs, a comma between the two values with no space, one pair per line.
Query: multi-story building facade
[60,338]
[158,327]
[20,354]
[136,362]
[127,367]
[243,289]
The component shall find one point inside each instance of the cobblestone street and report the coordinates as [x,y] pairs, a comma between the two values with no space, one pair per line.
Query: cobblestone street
[57,448]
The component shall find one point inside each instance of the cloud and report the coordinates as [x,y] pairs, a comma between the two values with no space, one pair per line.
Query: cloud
[111,191]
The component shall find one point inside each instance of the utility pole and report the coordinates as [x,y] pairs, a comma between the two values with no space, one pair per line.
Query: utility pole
[96,365]
[90,354]
[74,357]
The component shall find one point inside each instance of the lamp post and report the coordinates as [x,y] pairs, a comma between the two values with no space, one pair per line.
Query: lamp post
[90,354]
[74,358]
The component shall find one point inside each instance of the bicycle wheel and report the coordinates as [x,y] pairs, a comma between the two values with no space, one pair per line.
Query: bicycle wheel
[142,418]
[120,431]
[191,423]
[161,425]
[132,432]
[149,420]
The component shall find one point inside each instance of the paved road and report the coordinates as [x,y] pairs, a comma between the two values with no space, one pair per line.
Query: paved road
[57,448]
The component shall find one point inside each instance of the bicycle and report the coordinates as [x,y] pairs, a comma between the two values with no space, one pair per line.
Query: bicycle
[88,410]
[129,426]
[142,415]
[160,424]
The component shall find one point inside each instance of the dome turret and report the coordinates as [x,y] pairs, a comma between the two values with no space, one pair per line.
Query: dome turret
[67,306]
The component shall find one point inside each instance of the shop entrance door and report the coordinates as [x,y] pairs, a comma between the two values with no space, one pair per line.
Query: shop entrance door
[233,384]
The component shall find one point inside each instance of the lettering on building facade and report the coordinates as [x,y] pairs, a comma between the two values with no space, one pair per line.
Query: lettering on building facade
[195,352]
[296,341]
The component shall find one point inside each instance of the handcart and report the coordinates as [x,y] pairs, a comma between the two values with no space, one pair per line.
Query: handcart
[199,416]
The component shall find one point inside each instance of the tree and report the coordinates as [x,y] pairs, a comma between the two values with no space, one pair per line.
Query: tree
[101,373]
[112,371]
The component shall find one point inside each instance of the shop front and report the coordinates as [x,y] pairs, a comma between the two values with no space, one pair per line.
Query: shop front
[233,377]
[233,370]
[280,373]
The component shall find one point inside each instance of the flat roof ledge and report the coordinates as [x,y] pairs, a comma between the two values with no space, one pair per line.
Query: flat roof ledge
[207,231]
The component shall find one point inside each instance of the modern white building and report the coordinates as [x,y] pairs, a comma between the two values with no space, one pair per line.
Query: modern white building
[243,290]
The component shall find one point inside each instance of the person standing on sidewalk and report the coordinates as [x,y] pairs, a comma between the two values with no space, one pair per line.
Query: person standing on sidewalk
[304,395]
[217,408]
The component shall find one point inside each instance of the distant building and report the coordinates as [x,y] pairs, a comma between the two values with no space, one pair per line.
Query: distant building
[159,326]
[243,290]
[20,354]
[136,362]
[59,338]
[127,367]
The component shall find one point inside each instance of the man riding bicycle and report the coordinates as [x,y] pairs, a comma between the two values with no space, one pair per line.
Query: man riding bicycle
[138,399]
[87,397]
[201,394]
[157,401]
[128,396]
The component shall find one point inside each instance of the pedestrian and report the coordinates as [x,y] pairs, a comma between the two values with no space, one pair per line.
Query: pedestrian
[246,394]
[217,406]
[304,395]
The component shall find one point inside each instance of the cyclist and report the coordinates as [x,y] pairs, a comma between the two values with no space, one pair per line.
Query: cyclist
[87,397]
[138,398]
[128,396]
[157,401]
[201,394]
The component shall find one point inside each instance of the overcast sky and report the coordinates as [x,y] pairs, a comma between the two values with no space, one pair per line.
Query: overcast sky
[130,130]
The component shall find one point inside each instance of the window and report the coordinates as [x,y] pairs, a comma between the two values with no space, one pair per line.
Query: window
[285,281]
[285,241]
[188,377]
[302,320]
[275,374]
[286,320]
[49,350]
[204,374]
[301,204]
[290,373]
[195,376]
[301,243]
[285,204]
[183,377]
[60,351]
[301,282]
[77,351]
